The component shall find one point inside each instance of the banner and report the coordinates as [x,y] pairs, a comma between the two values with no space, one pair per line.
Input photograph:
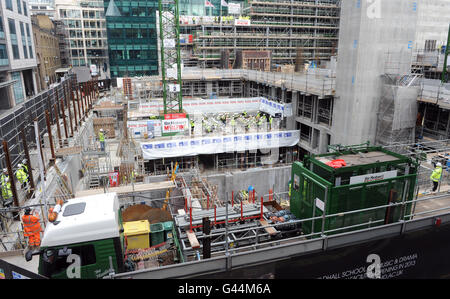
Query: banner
[177,125]
[242,22]
[218,144]
[273,108]
[234,8]
[234,105]
[140,127]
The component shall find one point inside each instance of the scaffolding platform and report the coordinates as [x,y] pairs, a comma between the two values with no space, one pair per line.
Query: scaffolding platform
[129,188]
[66,151]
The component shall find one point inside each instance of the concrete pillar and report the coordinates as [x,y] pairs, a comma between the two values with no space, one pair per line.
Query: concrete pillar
[290,121]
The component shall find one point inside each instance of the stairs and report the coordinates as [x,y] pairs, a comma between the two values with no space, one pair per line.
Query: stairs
[94,181]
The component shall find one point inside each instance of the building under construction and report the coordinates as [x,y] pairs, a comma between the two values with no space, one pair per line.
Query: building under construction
[247,171]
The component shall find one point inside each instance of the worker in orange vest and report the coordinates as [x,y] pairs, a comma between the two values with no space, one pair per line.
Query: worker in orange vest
[32,229]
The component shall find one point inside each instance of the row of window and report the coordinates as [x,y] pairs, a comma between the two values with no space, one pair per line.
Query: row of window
[21,6]
[86,24]
[27,50]
[132,33]
[76,14]
[96,43]
[133,54]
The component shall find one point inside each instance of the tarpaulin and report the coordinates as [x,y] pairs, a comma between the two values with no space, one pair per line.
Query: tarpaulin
[218,144]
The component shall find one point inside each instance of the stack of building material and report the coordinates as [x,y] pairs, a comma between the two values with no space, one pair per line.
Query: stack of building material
[105,123]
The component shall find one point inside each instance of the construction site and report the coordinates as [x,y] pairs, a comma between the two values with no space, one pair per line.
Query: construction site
[256,149]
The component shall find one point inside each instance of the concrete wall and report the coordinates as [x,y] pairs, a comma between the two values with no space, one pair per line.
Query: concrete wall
[369,29]
[434,19]
[261,179]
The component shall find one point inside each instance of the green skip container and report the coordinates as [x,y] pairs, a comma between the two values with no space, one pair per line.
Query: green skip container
[156,233]
[168,227]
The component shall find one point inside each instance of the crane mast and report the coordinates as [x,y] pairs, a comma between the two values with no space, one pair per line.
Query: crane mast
[169,34]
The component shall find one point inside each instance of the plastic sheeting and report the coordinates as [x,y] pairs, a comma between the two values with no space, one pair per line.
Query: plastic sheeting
[233,105]
[218,144]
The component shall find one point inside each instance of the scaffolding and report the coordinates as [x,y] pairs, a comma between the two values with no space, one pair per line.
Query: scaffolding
[397,113]
[279,26]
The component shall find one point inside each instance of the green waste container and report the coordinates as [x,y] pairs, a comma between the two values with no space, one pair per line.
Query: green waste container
[156,233]
[168,227]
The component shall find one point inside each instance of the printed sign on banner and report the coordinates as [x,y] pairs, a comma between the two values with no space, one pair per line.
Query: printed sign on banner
[140,127]
[219,144]
[234,8]
[174,125]
[371,177]
[174,115]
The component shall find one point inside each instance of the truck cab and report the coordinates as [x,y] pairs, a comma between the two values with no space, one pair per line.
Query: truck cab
[85,241]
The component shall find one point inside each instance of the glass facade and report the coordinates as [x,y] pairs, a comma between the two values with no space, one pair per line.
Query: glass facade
[132,37]
[17,87]
[197,7]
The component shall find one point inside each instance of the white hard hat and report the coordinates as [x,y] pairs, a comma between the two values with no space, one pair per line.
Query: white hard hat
[19,165]
[438,164]
[101,130]
[5,170]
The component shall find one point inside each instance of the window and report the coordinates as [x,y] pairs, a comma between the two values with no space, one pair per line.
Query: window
[13,35]
[19,7]
[3,55]
[30,47]
[8,4]
[17,87]
[430,45]
[25,12]
[2,31]
[24,43]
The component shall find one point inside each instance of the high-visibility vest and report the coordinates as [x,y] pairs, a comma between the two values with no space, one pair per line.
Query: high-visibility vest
[101,136]
[436,175]
[25,168]
[233,122]
[6,187]
[192,124]
[21,175]
[290,188]
[31,225]
[270,120]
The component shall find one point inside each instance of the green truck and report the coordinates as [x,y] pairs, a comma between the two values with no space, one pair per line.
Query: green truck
[87,240]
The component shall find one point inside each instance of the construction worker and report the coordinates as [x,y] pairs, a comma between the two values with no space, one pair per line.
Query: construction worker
[192,126]
[233,125]
[6,188]
[101,138]
[436,176]
[270,121]
[32,228]
[244,113]
[22,176]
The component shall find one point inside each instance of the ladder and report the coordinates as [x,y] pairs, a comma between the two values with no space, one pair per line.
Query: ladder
[63,185]
[172,179]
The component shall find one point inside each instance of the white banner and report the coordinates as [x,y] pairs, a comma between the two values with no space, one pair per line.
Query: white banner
[371,177]
[225,105]
[272,107]
[140,127]
[234,8]
[218,144]
[242,22]
[174,125]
